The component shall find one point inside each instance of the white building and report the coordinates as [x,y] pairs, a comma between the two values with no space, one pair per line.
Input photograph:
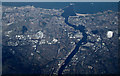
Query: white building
[110,34]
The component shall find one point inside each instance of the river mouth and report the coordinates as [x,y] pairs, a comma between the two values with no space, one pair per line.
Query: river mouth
[70,12]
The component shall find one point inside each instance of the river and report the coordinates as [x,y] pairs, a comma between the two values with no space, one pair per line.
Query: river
[68,11]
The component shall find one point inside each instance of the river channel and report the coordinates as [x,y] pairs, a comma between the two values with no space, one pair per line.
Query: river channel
[69,11]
